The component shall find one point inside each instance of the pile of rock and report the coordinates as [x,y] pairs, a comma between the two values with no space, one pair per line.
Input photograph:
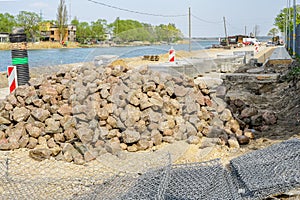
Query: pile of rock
[79,114]
[250,117]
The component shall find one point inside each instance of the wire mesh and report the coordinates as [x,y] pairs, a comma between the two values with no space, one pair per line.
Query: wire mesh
[205,180]
[255,175]
[272,170]
[49,179]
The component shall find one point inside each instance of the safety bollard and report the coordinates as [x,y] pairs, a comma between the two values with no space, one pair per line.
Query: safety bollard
[20,56]
[171,55]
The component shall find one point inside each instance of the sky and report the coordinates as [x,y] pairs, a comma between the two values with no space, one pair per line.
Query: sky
[206,15]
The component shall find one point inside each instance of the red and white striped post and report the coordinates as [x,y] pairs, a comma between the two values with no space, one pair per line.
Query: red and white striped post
[256,47]
[12,78]
[172,55]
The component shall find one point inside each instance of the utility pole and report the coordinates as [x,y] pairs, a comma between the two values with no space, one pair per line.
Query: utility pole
[190,30]
[226,37]
[286,24]
[70,14]
[289,26]
[294,30]
[245,30]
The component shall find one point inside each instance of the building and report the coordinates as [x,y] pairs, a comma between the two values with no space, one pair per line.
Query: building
[4,37]
[50,32]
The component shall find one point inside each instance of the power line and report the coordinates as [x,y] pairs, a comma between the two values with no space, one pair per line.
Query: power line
[136,12]
[206,21]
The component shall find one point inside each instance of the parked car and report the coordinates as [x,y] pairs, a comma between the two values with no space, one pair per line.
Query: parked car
[270,44]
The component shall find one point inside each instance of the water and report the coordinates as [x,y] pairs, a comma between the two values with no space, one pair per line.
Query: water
[52,57]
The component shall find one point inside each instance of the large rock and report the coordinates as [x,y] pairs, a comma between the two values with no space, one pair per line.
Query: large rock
[52,126]
[130,136]
[248,112]
[40,154]
[226,115]
[40,114]
[269,118]
[33,131]
[85,135]
[4,121]
[20,114]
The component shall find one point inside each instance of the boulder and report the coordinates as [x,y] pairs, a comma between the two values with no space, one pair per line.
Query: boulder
[248,112]
[40,114]
[130,136]
[269,118]
[40,154]
[20,114]
[193,139]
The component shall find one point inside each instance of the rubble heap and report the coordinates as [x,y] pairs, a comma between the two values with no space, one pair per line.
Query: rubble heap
[79,114]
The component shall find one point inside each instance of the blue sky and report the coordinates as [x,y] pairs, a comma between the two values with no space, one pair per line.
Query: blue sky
[207,15]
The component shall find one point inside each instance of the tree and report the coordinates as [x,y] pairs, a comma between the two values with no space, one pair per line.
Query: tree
[99,29]
[7,22]
[62,19]
[282,17]
[30,22]
[273,32]
[83,32]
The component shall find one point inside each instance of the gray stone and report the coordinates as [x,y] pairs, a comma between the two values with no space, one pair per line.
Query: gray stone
[180,91]
[4,121]
[156,137]
[24,141]
[85,135]
[20,114]
[40,154]
[233,143]
[256,120]
[269,118]
[248,112]
[156,100]
[143,145]
[193,139]
[168,139]
[149,86]
[52,126]
[113,147]
[32,143]
[226,115]
[33,131]
[40,114]
[130,136]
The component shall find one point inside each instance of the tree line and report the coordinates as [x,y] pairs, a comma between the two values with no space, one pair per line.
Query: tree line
[122,30]
[285,20]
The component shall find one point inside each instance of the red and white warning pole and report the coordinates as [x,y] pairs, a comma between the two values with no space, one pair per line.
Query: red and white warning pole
[256,47]
[12,78]
[172,55]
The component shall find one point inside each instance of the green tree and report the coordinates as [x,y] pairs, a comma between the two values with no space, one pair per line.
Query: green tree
[83,32]
[281,19]
[62,19]
[120,26]
[98,29]
[168,33]
[7,22]
[30,22]
[273,32]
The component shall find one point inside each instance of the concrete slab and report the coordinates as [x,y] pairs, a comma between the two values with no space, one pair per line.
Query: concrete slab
[280,53]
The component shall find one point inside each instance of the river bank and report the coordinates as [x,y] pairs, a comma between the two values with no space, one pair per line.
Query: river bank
[57,45]
[132,62]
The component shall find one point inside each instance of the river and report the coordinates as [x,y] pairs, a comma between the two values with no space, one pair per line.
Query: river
[52,57]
